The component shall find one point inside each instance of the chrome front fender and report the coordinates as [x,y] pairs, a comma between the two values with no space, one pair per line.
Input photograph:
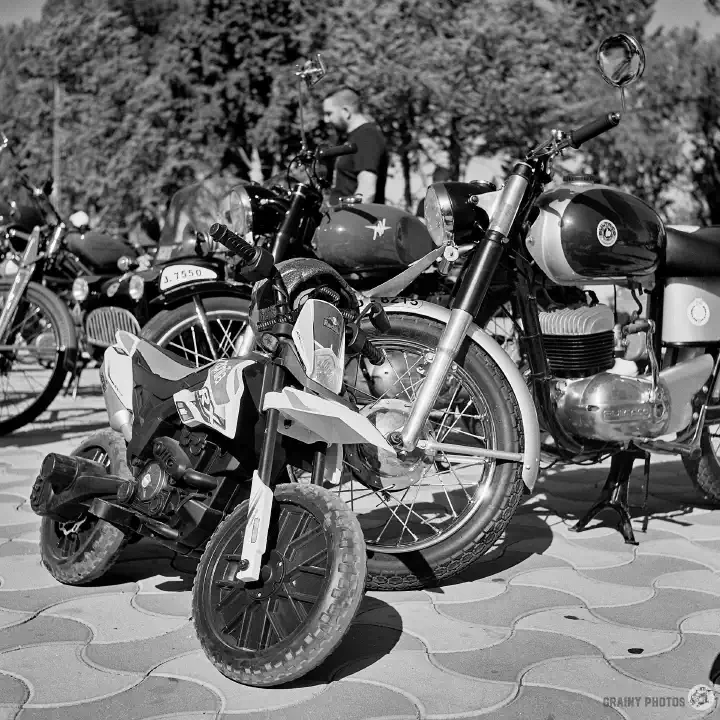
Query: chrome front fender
[526,405]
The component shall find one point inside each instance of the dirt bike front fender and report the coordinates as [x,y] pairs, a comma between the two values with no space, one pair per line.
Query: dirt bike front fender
[526,405]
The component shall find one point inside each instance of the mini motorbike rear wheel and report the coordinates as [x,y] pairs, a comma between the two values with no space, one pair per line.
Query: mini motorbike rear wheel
[705,470]
[82,550]
[277,629]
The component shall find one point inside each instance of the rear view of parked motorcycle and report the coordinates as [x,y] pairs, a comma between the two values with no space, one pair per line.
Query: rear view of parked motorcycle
[282,565]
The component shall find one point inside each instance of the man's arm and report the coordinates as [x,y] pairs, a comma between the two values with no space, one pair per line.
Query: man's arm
[367,184]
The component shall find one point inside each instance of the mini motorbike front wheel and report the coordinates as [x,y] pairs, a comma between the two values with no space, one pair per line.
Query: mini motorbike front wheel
[82,550]
[277,629]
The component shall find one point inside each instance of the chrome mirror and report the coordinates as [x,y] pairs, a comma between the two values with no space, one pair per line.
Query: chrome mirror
[310,73]
[621,60]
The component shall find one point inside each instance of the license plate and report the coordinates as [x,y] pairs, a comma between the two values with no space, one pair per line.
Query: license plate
[180,274]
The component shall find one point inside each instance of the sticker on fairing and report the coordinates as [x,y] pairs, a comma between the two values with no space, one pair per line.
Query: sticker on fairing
[217,403]
[175,275]
[698,312]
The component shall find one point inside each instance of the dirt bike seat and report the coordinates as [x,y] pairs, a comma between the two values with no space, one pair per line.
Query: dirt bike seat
[163,363]
[692,252]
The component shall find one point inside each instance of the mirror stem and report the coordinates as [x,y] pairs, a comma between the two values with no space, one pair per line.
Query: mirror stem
[302,120]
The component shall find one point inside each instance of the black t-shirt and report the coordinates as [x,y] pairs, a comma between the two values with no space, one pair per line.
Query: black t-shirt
[371,155]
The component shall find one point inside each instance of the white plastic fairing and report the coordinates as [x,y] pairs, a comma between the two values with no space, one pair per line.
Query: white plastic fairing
[117,384]
[319,335]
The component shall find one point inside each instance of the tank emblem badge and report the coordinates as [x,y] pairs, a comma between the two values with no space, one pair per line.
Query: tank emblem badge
[378,228]
[607,233]
[698,312]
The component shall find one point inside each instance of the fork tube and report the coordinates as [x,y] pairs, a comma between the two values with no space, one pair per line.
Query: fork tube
[467,302]
[20,283]
[273,382]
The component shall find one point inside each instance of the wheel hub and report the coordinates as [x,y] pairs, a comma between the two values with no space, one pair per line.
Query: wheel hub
[272,574]
[381,469]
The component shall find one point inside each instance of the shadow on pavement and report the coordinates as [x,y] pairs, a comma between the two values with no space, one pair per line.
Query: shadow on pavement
[40,433]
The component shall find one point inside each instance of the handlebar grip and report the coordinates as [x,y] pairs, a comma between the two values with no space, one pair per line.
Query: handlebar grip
[234,243]
[336,151]
[594,128]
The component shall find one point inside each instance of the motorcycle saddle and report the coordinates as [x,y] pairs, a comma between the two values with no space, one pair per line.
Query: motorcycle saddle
[694,253]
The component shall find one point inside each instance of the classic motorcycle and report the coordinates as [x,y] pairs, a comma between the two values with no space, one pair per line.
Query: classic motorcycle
[282,565]
[38,336]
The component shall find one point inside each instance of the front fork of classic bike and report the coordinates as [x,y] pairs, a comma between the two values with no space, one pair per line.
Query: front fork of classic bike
[467,303]
[19,284]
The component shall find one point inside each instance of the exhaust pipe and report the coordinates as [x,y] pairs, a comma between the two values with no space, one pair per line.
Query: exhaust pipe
[65,482]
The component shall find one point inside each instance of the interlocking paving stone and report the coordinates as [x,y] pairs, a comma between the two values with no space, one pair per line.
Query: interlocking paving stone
[596,679]
[438,632]
[71,680]
[508,660]
[664,611]
[682,549]
[12,532]
[347,699]
[34,600]
[154,696]
[592,592]
[579,556]
[693,532]
[8,618]
[643,571]
[42,629]
[141,656]
[508,565]
[17,547]
[706,622]
[13,691]
[534,703]
[236,698]
[687,665]
[24,573]
[465,592]
[113,619]
[698,580]
[613,640]
[505,609]
[170,603]
[436,692]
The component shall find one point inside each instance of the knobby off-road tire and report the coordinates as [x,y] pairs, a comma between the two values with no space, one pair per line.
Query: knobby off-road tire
[177,329]
[66,341]
[483,530]
[85,555]
[252,632]
[705,470]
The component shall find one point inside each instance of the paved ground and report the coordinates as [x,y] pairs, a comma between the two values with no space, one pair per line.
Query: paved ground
[550,626]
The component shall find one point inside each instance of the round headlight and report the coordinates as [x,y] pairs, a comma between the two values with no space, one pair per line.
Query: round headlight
[124,263]
[438,214]
[136,287]
[9,267]
[80,289]
[236,211]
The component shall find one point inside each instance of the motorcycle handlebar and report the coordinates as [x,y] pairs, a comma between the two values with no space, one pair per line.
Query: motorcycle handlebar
[594,128]
[336,151]
[234,243]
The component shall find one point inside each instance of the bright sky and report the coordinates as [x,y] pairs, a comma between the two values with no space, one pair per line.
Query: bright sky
[667,12]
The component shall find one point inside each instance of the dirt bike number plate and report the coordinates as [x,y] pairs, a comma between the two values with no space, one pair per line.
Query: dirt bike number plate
[217,403]
[174,275]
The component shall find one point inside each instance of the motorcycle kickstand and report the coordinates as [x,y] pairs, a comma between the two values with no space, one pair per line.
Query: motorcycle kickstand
[73,380]
[614,496]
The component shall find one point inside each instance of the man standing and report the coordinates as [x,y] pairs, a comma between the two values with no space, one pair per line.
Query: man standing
[365,172]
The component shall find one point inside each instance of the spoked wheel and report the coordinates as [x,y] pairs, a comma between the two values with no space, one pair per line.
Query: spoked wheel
[705,470]
[180,330]
[279,628]
[85,548]
[429,517]
[40,347]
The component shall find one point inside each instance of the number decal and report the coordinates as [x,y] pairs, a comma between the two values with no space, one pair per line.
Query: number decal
[180,274]
[400,301]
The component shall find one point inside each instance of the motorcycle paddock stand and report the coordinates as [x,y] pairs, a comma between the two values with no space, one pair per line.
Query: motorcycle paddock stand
[615,494]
